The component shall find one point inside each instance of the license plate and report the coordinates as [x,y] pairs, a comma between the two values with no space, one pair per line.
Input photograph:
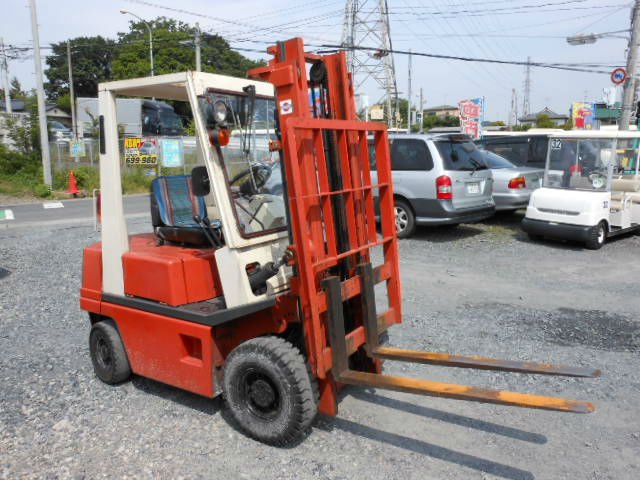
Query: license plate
[473,188]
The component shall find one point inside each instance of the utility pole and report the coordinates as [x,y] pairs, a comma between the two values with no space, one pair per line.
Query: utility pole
[409,97]
[526,105]
[5,78]
[42,110]
[629,95]
[513,112]
[197,44]
[421,111]
[74,125]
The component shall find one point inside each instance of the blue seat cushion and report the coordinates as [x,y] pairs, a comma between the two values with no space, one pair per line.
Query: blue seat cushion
[176,203]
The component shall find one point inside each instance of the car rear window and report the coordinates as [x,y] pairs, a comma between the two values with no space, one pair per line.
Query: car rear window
[496,161]
[407,154]
[460,154]
[516,151]
[410,154]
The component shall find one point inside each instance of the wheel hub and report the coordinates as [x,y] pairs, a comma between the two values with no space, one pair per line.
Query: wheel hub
[262,393]
[401,219]
[104,354]
[263,397]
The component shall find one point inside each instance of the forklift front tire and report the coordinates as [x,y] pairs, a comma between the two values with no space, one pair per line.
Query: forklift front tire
[269,390]
[108,355]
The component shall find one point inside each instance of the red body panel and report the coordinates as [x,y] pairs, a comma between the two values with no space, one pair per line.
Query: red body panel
[169,274]
[171,351]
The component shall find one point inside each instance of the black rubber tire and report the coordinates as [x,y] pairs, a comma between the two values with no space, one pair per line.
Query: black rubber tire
[534,237]
[108,355]
[406,226]
[281,416]
[597,236]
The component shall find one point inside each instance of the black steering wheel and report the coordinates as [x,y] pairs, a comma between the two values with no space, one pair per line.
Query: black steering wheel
[251,180]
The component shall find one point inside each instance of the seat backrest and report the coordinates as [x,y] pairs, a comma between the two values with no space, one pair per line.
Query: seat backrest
[629,184]
[176,203]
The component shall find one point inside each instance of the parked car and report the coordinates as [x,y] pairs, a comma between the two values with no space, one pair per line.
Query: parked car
[512,185]
[59,132]
[591,188]
[524,149]
[438,179]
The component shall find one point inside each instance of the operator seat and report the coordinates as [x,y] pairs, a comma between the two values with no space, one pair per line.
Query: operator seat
[173,206]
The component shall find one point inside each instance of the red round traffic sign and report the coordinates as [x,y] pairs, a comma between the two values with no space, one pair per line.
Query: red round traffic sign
[619,75]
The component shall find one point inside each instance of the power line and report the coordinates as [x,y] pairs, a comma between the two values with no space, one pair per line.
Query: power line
[463,59]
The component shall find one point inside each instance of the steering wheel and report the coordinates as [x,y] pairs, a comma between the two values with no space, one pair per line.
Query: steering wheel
[251,180]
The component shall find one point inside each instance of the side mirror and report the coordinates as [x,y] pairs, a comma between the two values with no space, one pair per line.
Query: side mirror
[200,185]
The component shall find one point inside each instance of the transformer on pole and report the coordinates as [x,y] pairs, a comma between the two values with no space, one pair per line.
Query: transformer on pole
[366,24]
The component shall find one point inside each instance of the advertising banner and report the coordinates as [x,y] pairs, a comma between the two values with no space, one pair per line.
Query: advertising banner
[583,115]
[141,151]
[471,116]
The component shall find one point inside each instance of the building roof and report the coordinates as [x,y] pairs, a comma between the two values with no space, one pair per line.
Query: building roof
[439,108]
[532,117]
[16,105]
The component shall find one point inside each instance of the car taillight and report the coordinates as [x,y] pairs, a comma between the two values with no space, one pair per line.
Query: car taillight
[518,182]
[444,190]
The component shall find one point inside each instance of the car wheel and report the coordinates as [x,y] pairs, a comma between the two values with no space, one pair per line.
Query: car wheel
[405,220]
[107,351]
[269,390]
[597,236]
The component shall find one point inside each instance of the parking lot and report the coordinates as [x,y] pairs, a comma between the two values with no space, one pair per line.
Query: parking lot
[480,289]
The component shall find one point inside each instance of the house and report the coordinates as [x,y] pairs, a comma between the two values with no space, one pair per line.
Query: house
[607,115]
[19,115]
[56,113]
[557,118]
[442,111]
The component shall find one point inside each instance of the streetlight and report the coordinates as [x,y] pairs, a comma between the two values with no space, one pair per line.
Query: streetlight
[127,12]
[588,38]
[629,92]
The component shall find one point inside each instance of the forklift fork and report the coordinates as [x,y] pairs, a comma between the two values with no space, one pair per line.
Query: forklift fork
[343,374]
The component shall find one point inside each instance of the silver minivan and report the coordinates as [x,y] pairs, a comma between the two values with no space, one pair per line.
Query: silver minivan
[438,179]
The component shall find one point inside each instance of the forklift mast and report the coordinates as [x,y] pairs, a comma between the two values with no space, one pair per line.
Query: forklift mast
[325,152]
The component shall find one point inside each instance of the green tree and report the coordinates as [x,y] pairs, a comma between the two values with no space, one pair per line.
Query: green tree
[91,58]
[15,89]
[25,132]
[544,121]
[172,52]
[498,123]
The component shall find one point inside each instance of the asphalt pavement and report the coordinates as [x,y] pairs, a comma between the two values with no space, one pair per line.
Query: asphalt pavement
[76,211]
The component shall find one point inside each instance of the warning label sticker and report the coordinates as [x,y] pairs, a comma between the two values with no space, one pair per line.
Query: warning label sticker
[286,107]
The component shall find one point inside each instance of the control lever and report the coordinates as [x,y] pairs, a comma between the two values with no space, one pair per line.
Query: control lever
[206,225]
[258,279]
[215,232]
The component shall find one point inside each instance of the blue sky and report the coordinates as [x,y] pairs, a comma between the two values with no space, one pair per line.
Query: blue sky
[500,29]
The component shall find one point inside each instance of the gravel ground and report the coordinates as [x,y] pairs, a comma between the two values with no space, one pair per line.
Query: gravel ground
[480,289]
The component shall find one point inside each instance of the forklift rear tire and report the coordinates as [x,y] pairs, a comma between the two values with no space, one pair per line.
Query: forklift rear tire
[597,236]
[108,355]
[269,390]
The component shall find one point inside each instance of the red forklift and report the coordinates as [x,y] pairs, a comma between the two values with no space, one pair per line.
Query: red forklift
[259,279]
